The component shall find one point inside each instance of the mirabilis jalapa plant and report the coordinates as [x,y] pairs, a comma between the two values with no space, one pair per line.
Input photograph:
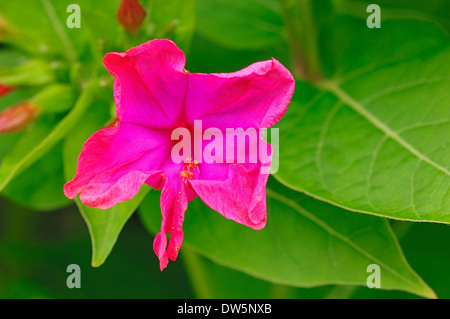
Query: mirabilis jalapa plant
[155,95]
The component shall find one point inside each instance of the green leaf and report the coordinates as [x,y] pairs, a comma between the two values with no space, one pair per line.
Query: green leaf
[237,24]
[305,243]
[104,225]
[373,137]
[211,280]
[42,137]
[426,247]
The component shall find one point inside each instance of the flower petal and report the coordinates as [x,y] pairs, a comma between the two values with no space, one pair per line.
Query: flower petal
[150,84]
[115,162]
[173,207]
[241,196]
[256,96]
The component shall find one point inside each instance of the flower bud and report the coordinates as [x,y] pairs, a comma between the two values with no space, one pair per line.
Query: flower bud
[131,15]
[5,89]
[16,118]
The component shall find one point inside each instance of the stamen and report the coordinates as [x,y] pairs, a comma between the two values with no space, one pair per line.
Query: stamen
[189,167]
[183,174]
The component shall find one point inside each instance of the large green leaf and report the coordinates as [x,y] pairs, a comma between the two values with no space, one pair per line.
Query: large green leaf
[427,247]
[250,24]
[211,280]
[374,137]
[306,243]
[104,225]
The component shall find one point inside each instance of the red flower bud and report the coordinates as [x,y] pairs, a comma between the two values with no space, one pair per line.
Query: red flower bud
[18,117]
[4,89]
[130,15]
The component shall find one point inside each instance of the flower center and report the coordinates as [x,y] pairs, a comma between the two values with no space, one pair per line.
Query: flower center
[190,169]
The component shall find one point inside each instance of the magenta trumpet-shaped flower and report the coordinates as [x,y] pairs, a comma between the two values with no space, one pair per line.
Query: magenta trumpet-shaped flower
[154,96]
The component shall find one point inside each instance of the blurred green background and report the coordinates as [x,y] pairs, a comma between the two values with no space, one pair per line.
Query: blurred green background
[60,70]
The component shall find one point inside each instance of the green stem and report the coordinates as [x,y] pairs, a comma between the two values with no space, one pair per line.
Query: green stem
[400,228]
[303,38]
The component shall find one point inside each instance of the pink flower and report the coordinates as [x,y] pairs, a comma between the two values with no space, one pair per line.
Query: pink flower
[155,95]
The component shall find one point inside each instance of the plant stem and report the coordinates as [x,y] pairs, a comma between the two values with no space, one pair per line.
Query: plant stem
[303,38]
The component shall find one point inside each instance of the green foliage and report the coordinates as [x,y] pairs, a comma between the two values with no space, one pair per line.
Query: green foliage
[251,24]
[340,244]
[34,72]
[104,225]
[365,138]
